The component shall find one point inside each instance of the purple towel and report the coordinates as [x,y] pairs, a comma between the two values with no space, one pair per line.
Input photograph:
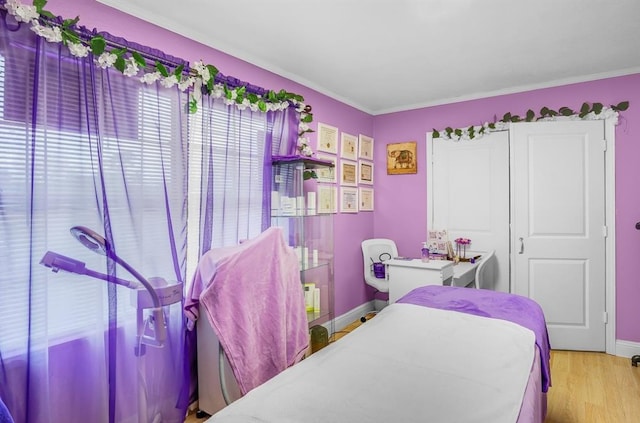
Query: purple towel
[497,305]
[253,297]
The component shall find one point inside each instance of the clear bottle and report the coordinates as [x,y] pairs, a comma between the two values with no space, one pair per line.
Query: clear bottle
[425,252]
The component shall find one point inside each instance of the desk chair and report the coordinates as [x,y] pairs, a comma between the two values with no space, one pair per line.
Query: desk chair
[485,272]
[374,251]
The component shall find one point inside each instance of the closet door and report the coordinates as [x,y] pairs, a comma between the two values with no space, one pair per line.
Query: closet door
[558,227]
[468,194]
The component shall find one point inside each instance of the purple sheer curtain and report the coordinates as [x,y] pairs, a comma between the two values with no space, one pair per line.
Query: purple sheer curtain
[231,151]
[230,176]
[84,146]
[282,141]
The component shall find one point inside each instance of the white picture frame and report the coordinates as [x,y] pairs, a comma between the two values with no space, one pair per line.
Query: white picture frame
[327,174]
[348,200]
[348,173]
[365,172]
[365,199]
[327,199]
[365,147]
[327,140]
[348,146]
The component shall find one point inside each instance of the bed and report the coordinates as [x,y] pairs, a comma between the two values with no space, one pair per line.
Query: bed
[439,354]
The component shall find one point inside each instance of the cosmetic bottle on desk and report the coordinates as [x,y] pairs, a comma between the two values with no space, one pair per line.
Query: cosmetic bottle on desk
[424,253]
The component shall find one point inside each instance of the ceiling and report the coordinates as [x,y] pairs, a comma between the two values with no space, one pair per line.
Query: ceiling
[390,55]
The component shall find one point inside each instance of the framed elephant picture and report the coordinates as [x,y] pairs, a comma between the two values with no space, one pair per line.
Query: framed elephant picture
[401,158]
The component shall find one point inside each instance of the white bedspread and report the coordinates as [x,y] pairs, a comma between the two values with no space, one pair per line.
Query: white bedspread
[408,364]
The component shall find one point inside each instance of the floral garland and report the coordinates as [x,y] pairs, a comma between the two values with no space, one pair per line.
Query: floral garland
[595,111]
[131,63]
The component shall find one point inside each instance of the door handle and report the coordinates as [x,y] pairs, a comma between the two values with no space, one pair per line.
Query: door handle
[521,245]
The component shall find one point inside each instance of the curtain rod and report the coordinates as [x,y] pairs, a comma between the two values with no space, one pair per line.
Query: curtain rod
[145,51]
[161,57]
[156,54]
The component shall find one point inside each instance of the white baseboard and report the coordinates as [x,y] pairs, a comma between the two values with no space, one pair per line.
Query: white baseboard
[353,315]
[627,348]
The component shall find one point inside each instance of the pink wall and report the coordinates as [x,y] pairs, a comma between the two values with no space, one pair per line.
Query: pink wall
[401,200]
[350,230]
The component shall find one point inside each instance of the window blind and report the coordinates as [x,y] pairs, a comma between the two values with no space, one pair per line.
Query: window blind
[59,158]
[226,149]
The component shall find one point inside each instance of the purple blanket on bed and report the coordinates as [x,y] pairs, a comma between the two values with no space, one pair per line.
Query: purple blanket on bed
[498,305]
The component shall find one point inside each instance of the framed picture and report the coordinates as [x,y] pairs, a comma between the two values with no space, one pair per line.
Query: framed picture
[366,147]
[326,174]
[348,200]
[327,138]
[349,146]
[366,199]
[327,199]
[348,173]
[365,173]
[437,241]
[401,158]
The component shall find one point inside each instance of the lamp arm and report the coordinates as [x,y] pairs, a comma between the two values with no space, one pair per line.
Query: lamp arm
[157,315]
[104,277]
[138,276]
[57,262]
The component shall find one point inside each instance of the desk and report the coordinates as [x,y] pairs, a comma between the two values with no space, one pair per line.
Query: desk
[405,275]
[464,273]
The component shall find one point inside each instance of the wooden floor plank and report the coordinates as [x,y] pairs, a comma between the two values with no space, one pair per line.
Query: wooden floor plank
[593,387]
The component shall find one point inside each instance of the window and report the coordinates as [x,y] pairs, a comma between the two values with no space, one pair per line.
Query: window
[226,150]
[62,172]
[65,175]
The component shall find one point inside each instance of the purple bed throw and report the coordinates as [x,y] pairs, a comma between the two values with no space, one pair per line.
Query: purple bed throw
[253,298]
[494,304]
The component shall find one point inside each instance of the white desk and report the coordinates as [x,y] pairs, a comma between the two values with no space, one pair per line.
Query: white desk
[405,275]
[464,273]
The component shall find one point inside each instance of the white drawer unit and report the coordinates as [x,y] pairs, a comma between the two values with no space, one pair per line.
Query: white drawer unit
[405,275]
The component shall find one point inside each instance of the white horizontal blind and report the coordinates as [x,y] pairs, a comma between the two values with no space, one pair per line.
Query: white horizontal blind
[65,305]
[228,145]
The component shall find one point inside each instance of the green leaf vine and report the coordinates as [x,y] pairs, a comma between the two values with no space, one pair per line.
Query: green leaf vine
[200,77]
[587,111]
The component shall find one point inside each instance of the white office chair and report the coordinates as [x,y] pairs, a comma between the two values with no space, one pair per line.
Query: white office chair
[485,272]
[374,251]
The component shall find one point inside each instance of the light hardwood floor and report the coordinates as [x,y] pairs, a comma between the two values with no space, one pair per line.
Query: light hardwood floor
[593,388]
[586,388]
